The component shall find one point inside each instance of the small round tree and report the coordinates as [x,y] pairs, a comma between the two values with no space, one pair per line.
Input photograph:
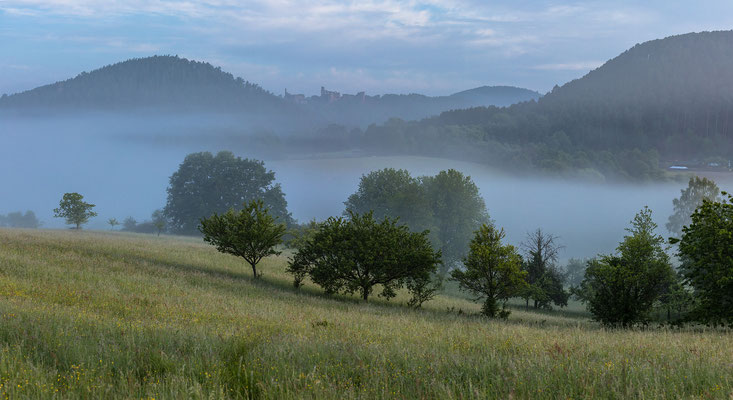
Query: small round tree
[113,222]
[355,254]
[251,233]
[73,208]
[158,220]
[492,271]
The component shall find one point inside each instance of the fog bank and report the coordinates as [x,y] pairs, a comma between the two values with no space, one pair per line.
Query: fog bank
[101,159]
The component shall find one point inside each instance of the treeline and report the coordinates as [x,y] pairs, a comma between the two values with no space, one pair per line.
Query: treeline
[18,219]
[358,254]
[414,233]
[499,143]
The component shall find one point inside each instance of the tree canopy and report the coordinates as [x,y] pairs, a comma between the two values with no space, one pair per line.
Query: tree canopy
[458,211]
[251,233]
[74,210]
[545,281]
[392,193]
[698,189]
[205,184]
[621,289]
[355,254]
[706,250]
[448,204]
[492,271]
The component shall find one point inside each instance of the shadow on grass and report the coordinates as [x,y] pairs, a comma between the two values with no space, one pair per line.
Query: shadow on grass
[151,261]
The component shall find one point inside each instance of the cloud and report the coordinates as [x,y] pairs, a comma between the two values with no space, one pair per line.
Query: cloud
[571,66]
[15,67]
[377,43]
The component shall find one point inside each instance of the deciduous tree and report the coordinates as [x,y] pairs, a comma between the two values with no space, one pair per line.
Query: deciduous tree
[113,222]
[698,189]
[206,184]
[355,254]
[621,289]
[544,279]
[159,221]
[492,271]
[458,211]
[251,233]
[706,250]
[74,210]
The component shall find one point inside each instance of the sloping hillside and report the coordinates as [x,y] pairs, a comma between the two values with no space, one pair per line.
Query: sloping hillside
[668,99]
[104,315]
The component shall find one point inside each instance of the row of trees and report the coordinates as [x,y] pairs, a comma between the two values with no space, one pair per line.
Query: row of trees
[357,253]
[393,223]
[156,224]
[18,219]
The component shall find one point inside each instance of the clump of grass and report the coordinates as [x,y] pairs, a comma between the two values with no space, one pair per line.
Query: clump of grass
[99,315]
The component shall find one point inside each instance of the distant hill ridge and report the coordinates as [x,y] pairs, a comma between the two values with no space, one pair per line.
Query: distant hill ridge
[177,84]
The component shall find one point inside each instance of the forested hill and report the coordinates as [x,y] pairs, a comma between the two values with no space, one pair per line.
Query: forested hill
[668,99]
[165,82]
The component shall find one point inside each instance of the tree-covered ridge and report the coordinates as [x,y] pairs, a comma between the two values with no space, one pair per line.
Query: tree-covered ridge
[160,81]
[665,99]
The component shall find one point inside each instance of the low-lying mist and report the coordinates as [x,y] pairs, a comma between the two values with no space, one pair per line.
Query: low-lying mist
[123,164]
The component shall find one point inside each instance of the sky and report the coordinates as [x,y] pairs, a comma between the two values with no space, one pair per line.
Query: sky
[433,47]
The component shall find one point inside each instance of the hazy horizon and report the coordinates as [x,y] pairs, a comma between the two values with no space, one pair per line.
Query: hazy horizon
[433,47]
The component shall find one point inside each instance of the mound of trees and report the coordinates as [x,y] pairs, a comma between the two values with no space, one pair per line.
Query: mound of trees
[355,254]
[251,233]
[449,204]
[206,184]
[20,220]
[621,289]
[706,251]
[74,210]
[492,271]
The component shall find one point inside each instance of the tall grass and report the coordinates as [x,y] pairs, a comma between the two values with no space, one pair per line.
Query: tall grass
[101,315]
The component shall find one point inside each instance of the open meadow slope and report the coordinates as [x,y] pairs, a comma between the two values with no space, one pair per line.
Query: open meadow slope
[108,315]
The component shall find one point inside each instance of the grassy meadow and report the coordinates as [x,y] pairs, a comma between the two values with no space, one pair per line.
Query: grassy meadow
[111,315]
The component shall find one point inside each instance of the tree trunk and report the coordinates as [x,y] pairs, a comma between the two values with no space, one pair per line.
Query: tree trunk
[365,293]
[254,270]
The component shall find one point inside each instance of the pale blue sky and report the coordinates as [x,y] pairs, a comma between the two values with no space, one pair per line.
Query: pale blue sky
[424,46]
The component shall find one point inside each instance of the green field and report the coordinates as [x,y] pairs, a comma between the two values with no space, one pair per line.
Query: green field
[107,315]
